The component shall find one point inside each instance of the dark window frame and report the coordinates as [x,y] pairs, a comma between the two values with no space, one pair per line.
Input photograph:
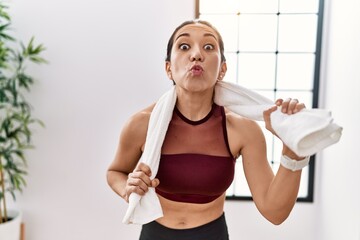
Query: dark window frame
[315,103]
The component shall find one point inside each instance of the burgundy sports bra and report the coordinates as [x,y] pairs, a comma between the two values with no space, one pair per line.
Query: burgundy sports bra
[196,164]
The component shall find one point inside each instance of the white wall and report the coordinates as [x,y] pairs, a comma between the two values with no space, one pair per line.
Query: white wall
[107,62]
[340,169]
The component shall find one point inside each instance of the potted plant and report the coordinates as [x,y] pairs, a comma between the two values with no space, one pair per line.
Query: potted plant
[15,119]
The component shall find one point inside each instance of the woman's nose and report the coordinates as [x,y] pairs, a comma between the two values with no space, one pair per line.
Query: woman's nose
[196,55]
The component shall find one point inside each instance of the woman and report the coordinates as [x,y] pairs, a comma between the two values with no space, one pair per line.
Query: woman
[201,145]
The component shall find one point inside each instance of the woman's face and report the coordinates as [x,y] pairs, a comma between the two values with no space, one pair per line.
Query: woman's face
[195,63]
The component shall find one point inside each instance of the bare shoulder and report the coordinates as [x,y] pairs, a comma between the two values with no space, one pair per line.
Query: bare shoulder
[240,123]
[136,126]
[140,117]
[131,142]
[241,131]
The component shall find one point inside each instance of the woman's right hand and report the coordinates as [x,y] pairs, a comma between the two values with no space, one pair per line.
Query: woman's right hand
[139,181]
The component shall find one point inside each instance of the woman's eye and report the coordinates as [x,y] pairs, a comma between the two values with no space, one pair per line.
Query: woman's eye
[208,47]
[184,46]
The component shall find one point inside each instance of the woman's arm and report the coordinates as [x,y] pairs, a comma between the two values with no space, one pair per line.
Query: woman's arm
[125,175]
[276,195]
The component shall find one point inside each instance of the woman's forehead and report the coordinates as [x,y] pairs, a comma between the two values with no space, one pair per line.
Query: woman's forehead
[198,27]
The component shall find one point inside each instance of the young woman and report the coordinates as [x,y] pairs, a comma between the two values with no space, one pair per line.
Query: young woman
[201,145]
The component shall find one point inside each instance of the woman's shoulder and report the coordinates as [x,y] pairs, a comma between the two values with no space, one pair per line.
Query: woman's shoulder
[242,127]
[137,124]
[241,132]
[239,121]
[143,115]
[140,118]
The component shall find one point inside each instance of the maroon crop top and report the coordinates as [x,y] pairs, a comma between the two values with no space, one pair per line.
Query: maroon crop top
[196,164]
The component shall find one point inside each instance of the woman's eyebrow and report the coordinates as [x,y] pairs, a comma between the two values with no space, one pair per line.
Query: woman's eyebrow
[188,35]
[210,35]
[183,35]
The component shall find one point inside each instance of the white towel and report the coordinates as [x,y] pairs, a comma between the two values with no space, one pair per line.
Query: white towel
[305,132]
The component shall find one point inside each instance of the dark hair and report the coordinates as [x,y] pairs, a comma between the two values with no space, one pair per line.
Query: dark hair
[171,40]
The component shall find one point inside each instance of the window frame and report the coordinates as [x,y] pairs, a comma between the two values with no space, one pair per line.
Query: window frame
[315,103]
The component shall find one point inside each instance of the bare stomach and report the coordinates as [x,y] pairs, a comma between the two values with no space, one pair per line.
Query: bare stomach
[180,215]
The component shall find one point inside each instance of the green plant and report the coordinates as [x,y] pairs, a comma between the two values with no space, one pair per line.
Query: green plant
[15,111]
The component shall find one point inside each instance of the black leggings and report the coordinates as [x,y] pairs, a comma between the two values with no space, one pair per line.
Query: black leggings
[215,230]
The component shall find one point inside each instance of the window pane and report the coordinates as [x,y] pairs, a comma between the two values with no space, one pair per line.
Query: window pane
[267,93]
[296,6]
[303,190]
[304,182]
[297,33]
[213,6]
[235,6]
[256,70]
[231,62]
[239,186]
[258,6]
[278,146]
[226,25]
[269,138]
[295,71]
[270,47]
[257,32]
[302,96]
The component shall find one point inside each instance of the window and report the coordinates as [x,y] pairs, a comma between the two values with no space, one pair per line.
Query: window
[272,47]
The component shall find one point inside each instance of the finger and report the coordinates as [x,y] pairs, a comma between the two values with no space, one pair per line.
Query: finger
[143,168]
[138,187]
[134,189]
[155,182]
[267,119]
[292,105]
[136,178]
[279,101]
[285,105]
[299,107]
[271,109]
[266,113]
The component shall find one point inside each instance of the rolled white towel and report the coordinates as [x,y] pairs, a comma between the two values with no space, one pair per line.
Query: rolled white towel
[306,132]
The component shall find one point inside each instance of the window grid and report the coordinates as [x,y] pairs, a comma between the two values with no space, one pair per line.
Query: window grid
[274,91]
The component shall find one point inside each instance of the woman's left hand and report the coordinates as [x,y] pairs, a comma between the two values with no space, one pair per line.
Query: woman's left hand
[288,106]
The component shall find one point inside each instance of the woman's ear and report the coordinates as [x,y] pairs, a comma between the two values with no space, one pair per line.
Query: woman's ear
[223,69]
[168,70]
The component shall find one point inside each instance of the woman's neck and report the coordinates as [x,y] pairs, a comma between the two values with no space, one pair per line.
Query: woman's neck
[194,106]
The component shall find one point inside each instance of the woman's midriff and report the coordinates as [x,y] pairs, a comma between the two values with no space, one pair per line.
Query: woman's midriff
[181,215]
